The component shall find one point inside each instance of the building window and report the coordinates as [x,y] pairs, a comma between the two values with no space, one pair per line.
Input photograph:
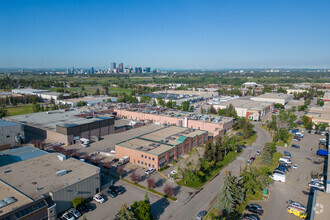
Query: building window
[142,155]
[153,158]
[138,161]
[153,166]
[145,157]
[145,163]
[149,158]
[8,136]
[149,164]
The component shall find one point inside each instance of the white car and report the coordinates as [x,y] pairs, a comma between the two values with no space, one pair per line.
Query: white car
[172,173]
[295,166]
[150,171]
[258,152]
[75,212]
[98,198]
[316,185]
[68,216]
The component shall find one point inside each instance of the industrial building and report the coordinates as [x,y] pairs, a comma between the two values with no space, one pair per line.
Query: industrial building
[161,147]
[10,134]
[321,114]
[54,175]
[274,97]
[90,101]
[63,126]
[215,125]
[247,108]
[44,94]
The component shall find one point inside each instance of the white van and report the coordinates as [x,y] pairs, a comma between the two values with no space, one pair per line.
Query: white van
[278,177]
[284,160]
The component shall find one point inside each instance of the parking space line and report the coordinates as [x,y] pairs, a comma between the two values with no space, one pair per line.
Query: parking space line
[163,175]
[129,165]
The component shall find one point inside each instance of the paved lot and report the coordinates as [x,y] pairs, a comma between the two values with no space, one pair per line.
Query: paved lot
[296,185]
[110,207]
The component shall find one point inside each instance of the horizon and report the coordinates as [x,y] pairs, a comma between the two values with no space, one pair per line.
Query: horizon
[185,35]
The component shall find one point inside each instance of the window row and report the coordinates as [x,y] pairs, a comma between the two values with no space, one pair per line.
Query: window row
[146,164]
[146,157]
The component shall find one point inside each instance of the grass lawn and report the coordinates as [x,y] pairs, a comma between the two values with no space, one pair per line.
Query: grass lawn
[19,110]
[221,164]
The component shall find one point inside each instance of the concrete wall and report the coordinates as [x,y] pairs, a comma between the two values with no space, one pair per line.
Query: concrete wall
[7,134]
[84,188]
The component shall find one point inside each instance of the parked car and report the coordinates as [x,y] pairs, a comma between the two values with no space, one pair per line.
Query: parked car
[68,216]
[316,185]
[90,207]
[255,206]
[118,189]
[258,152]
[254,210]
[278,177]
[98,198]
[82,208]
[150,171]
[251,217]
[111,193]
[284,160]
[279,172]
[296,204]
[283,168]
[282,171]
[251,159]
[243,146]
[201,215]
[74,212]
[295,166]
[295,146]
[296,139]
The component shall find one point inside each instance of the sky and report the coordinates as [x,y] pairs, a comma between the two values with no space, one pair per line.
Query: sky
[164,34]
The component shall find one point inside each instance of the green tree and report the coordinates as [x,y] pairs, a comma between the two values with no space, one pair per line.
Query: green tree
[170,104]
[185,106]
[97,92]
[141,210]
[124,214]
[77,201]
[267,154]
[3,112]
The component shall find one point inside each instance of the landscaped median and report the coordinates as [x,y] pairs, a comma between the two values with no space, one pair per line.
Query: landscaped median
[150,190]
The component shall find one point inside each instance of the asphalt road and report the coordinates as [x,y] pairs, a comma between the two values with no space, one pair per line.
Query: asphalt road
[184,210]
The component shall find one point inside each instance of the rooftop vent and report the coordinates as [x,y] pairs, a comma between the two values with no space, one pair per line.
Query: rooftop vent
[139,147]
[61,172]
[61,157]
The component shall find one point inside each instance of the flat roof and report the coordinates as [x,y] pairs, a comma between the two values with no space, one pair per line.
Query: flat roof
[274,96]
[143,146]
[86,99]
[246,103]
[321,210]
[4,123]
[326,95]
[319,113]
[49,120]
[19,154]
[8,191]
[169,96]
[172,131]
[37,176]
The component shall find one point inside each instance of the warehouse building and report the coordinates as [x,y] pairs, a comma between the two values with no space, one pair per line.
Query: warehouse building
[54,175]
[63,126]
[274,97]
[161,147]
[247,108]
[10,134]
[90,101]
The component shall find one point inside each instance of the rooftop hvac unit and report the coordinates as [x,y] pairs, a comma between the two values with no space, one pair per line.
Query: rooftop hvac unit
[61,157]
[61,172]
[148,149]
[157,145]
[139,147]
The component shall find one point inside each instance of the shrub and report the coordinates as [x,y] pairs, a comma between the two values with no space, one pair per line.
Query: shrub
[168,190]
[77,201]
[135,177]
[151,183]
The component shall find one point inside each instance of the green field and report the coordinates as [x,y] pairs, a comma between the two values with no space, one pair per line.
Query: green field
[19,110]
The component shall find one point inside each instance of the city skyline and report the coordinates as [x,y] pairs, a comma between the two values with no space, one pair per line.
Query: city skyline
[165,35]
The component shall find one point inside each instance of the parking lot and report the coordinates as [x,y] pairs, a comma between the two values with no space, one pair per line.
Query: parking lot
[296,186]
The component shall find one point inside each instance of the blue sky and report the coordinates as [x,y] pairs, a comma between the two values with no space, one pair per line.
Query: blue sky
[165,33]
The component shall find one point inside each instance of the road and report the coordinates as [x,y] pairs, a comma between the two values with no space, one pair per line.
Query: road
[202,200]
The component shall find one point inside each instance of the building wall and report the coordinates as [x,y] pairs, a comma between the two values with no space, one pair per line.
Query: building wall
[8,133]
[85,188]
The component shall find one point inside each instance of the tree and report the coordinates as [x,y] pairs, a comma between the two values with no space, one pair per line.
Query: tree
[267,154]
[146,197]
[124,214]
[230,194]
[77,201]
[169,104]
[3,112]
[212,110]
[185,106]
[141,210]
[135,177]
[121,171]
[151,182]
[168,190]
[97,92]
[279,106]
[251,180]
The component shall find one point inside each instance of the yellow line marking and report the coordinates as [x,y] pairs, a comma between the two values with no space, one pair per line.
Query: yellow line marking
[163,175]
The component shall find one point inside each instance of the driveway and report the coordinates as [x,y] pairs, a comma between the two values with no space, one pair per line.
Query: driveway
[203,200]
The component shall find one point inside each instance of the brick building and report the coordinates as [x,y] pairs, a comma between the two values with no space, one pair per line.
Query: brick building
[161,147]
